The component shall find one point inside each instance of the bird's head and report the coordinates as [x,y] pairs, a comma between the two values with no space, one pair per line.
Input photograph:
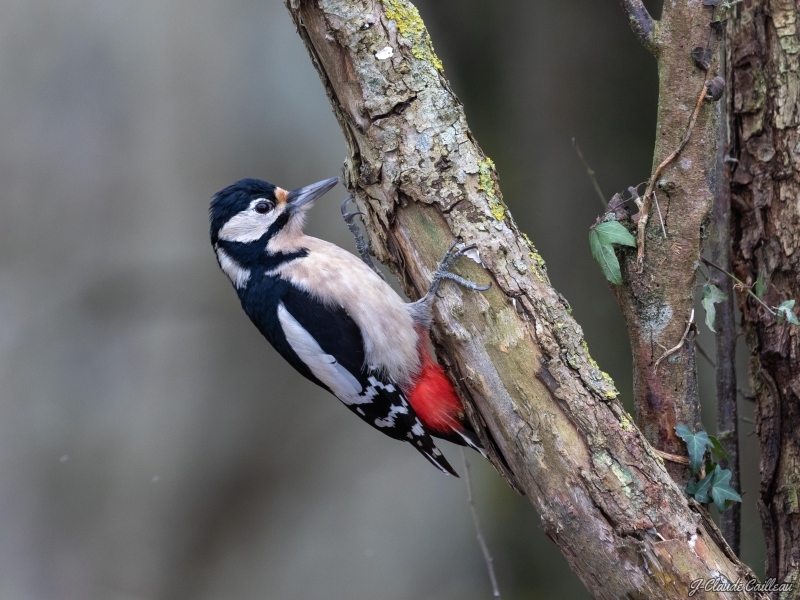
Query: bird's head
[252,210]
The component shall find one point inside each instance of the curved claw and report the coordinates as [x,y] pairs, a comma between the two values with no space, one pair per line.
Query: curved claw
[348,217]
[443,270]
[345,203]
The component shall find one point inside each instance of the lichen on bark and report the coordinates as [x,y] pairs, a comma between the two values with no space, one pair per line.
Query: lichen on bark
[550,417]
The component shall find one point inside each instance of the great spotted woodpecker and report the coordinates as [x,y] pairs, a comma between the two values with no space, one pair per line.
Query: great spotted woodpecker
[334,318]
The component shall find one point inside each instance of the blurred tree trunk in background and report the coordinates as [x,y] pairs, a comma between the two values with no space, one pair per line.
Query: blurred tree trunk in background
[551,419]
[764,78]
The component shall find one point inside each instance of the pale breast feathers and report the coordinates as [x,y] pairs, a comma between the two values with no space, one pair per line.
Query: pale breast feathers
[334,276]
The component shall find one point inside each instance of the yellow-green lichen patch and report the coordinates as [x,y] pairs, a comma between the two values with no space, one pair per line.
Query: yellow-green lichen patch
[608,389]
[486,185]
[592,361]
[411,27]
[534,255]
[498,210]
[537,258]
[625,423]
[528,241]
[612,393]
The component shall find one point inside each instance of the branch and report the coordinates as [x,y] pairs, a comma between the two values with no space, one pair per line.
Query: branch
[641,23]
[551,419]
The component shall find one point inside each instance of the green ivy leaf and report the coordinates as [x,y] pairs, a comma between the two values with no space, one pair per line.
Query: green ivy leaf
[613,232]
[601,240]
[696,444]
[700,489]
[605,257]
[711,295]
[761,286]
[785,312]
[721,491]
[718,451]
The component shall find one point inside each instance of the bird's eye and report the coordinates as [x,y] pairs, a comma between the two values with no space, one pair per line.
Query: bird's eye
[264,206]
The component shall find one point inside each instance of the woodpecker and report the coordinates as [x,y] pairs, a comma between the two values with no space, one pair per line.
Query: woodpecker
[333,317]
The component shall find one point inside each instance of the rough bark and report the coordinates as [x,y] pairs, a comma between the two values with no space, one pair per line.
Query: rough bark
[765,187]
[657,296]
[551,417]
[725,327]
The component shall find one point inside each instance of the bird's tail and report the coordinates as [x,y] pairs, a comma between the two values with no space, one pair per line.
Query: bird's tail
[436,458]
[472,440]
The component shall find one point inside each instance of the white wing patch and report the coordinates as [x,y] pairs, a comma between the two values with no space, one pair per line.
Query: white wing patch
[238,275]
[324,366]
[393,412]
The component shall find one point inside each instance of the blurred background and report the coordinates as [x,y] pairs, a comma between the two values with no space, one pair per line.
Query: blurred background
[152,445]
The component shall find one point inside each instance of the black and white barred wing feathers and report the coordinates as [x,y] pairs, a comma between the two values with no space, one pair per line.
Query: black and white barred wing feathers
[328,342]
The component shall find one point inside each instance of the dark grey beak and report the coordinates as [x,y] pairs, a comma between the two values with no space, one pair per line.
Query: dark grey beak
[305,195]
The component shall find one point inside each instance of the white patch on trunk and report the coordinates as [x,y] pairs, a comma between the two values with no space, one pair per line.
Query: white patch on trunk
[238,275]
[474,255]
[387,52]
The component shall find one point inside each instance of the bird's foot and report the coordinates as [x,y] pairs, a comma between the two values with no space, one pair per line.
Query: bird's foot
[422,310]
[443,270]
[361,244]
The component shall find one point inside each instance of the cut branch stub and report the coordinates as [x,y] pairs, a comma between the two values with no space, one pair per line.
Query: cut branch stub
[641,22]
[518,358]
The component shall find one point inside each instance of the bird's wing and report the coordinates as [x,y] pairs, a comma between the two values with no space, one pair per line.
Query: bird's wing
[328,342]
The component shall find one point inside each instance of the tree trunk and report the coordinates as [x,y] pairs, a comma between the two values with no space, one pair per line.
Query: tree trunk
[551,418]
[725,339]
[765,187]
[657,296]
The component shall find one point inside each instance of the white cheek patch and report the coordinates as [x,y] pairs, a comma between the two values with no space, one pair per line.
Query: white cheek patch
[238,275]
[324,366]
[247,226]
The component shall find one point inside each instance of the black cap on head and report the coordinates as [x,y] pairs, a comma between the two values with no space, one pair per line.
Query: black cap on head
[234,199]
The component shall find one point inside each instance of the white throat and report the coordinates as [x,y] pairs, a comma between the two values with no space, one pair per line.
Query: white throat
[238,275]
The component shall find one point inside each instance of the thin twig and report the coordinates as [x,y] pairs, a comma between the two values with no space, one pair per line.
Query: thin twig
[704,354]
[590,173]
[478,533]
[660,218]
[680,344]
[740,283]
[644,213]
[672,457]
[745,396]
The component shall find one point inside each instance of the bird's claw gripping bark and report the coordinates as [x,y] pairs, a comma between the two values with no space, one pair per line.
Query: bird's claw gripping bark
[422,310]
[361,244]
[443,270]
